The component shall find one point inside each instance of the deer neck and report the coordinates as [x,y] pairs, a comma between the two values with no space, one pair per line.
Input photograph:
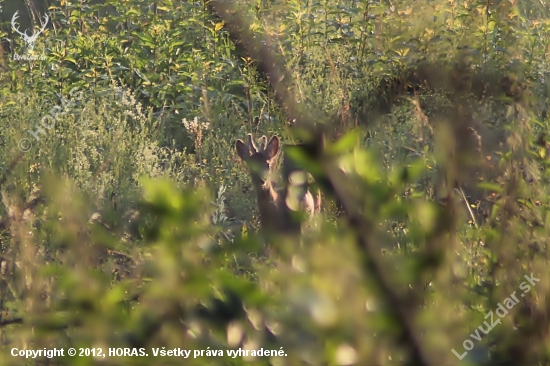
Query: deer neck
[268,204]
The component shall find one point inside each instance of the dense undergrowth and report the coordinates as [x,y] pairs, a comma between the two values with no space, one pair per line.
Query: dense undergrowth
[128,221]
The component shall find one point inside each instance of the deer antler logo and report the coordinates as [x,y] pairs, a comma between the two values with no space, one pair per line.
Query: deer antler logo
[29,40]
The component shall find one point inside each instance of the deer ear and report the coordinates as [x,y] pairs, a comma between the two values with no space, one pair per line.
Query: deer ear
[242,150]
[272,147]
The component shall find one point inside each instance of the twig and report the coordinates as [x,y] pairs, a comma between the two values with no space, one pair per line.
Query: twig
[461,192]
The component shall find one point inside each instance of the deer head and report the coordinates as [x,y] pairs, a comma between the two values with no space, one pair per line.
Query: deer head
[259,160]
[28,39]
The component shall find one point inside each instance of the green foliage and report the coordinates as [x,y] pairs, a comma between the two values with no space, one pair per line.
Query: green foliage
[127,220]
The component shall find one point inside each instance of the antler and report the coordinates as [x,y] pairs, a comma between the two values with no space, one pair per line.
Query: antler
[263,145]
[36,34]
[46,18]
[251,143]
[16,28]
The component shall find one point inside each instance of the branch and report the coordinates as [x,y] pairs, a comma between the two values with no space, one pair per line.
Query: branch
[5,323]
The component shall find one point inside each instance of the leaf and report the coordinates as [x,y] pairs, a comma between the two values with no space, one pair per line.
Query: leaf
[346,143]
[490,187]
[219,26]
[145,38]
[132,12]
[70,59]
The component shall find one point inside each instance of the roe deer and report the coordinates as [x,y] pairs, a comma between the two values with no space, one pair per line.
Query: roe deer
[275,205]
